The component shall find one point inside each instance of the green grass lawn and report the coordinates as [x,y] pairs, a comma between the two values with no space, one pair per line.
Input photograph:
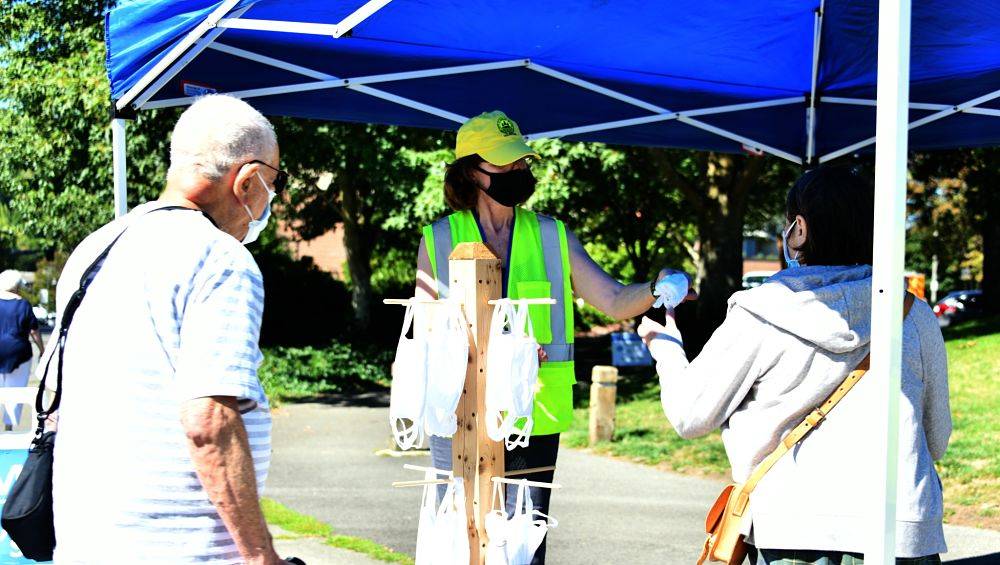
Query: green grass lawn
[300,525]
[970,471]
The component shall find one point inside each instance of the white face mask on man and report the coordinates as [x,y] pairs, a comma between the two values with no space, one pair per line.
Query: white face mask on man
[257,225]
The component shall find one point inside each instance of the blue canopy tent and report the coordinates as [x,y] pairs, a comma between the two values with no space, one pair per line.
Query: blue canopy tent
[806,80]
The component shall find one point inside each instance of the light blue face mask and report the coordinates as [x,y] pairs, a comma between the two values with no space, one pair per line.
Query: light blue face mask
[257,225]
[793,263]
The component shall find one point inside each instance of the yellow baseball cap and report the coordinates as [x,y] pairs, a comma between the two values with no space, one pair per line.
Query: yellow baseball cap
[494,137]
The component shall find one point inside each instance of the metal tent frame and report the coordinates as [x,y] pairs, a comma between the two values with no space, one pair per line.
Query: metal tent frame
[892,125]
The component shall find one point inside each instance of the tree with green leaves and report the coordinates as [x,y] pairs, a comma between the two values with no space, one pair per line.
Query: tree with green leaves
[721,192]
[55,154]
[374,180]
[955,209]
[617,203]
[640,209]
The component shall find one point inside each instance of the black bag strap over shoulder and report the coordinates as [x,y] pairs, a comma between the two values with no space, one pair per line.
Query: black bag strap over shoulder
[72,305]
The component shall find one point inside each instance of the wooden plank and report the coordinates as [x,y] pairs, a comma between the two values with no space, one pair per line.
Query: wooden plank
[476,277]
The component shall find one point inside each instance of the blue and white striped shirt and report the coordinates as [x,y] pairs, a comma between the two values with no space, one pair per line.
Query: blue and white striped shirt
[174,314]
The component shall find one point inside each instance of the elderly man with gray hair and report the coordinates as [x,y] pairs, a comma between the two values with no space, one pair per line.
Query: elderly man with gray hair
[164,431]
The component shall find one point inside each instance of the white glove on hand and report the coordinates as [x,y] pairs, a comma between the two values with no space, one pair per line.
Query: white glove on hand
[671,290]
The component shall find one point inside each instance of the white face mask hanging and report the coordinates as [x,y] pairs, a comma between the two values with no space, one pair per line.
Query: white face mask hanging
[512,373]
[428,521]
[409,386]
[496,528]
[447,361]
[451,537]
[526,528]
[524,377]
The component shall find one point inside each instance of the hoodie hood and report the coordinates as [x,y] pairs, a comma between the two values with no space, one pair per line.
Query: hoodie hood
[827,306]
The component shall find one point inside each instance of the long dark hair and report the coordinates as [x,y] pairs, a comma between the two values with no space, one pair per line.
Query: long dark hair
[838,204]
[461,189]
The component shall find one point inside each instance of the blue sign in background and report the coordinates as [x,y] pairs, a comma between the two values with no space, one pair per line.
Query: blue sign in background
[11,461]
[628,350]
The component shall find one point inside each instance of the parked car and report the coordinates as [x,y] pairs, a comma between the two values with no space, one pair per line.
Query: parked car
[958,306]
[46,319]
[753,279]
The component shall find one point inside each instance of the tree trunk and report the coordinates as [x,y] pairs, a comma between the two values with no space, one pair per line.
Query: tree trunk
[358,245]
[719,197]
[720,270]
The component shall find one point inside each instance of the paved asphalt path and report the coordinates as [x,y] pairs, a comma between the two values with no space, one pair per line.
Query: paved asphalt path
[326,464]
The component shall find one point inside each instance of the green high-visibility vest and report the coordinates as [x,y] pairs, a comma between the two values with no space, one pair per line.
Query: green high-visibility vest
[539,268]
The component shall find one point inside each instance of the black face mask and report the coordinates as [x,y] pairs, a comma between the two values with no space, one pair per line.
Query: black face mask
[511,188]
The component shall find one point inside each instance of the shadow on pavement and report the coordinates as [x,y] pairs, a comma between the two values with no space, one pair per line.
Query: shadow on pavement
[990,559]
[375,399]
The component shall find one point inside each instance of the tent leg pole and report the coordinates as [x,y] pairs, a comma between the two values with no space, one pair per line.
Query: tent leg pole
[891,131]
[118,160]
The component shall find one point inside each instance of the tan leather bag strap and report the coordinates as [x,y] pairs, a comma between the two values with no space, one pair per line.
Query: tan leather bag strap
[810,422]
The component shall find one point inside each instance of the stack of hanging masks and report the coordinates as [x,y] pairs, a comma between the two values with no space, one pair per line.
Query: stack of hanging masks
[428,375]
[511,375]
[442,535]
[514,540]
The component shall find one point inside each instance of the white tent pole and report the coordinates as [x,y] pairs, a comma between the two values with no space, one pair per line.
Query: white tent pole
[811,110]
[891,134]
[118,164]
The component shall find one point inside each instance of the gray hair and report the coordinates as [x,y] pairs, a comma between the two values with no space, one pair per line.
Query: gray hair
[217,132]
[11,280]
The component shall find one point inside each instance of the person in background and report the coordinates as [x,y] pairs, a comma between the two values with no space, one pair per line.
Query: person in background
[782,350]
[18,325]
[486,186]
[164,438]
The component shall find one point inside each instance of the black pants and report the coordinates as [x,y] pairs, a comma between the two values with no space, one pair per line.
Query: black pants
[541,452]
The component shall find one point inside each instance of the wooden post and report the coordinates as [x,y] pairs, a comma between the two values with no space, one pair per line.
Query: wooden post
[476,279]
[603,389]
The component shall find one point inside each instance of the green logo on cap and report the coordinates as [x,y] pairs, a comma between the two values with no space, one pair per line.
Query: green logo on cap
[506,127]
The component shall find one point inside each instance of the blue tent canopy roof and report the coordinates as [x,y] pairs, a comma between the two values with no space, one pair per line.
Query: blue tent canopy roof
[659,73]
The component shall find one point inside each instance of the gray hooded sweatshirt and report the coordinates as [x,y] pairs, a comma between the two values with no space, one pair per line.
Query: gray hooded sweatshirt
[782,350]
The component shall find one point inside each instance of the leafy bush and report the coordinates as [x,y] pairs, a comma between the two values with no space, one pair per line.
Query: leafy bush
[295,372]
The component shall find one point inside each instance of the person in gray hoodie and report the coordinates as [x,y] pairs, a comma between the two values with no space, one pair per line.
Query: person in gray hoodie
[782,350]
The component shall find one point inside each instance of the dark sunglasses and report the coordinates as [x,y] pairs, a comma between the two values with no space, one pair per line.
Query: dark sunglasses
[280,181]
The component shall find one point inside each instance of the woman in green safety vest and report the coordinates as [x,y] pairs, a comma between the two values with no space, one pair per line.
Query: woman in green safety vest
[485,187]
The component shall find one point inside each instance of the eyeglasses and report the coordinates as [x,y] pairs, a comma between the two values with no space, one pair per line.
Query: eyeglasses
[280,181]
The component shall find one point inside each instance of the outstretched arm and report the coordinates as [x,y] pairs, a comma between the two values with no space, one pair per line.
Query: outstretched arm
[601,290]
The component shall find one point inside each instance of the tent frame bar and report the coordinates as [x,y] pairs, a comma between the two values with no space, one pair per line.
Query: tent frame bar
[194,35]
[597,88]
[336,31]
[968,106]
[326,81]
[664,117]
[913,105]
[214,24]
[179,65]
[811,110]
[749,144]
